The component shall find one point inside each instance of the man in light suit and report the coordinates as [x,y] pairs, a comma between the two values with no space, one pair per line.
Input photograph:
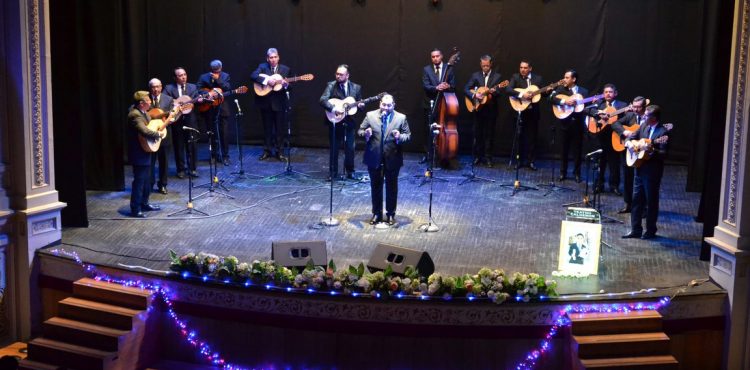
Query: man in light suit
[163,102]
[341,88]
[384,130]
[273,107]
[139,158]
[179,88]
[436,77]
[486,116]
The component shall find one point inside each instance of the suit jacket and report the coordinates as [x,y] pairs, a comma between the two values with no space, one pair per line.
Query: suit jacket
[390,154]
[430,81]
[660,150]
[333,91]
[206,82]
[627,119]
[191,90]
[579,118]
[477,80]
[138,125]
[276,100]
[165,102]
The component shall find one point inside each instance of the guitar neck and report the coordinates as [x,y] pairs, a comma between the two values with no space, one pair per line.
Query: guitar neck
[550,86]
[589,99]
[293,79]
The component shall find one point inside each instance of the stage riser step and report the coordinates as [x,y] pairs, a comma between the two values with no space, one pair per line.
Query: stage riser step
[70,356]
[114,294]
[83,334]
[621,345]
[616,323]
[633,363]
[97,313]
[27,364]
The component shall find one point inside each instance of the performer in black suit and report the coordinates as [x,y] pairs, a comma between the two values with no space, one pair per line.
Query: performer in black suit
[217,79]
[648,176]
[609,159]
[341,88]
[163,102]
[385,130]
[140,159]
[175,90]
[486,117]
[529,116]
[571,128]
[273,107]
[635,116]
[432,75]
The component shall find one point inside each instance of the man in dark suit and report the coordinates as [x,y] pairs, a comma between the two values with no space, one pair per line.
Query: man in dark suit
[436,77]
[139,158]
[609,159]
[486,116]
[274,106]
[648,176]
[529,117]
[179,88]
[384,130]
[163,102]
[575,248]
[210,80]
[341,88]
[624,127]
[571,128]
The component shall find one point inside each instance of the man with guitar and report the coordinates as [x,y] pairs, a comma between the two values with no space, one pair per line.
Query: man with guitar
[525,79]
[177,90]
[483,84]
[648,175]
[572,126]
[160,103]
[599,125]
[139,158]
[341,88]
[273,106]
[207,82]
[623,129]
[434,80]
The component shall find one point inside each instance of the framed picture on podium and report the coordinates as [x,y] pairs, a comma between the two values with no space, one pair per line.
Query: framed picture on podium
[579,247]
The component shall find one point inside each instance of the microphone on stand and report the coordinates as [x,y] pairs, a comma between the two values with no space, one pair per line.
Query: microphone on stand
[186,128]
[595,152]
[239,110]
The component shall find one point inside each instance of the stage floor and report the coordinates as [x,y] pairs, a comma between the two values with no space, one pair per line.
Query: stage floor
[481,224]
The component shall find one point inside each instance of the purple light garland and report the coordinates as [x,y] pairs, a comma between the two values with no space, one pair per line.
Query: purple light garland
[191,337]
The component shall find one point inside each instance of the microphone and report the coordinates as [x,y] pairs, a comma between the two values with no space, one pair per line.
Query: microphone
[595,152]
[383,113]
[187,128]
[239,110]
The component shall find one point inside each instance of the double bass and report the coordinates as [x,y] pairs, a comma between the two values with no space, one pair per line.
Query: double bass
[445,114]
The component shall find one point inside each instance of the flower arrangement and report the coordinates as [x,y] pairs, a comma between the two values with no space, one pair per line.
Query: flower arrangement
[493,285]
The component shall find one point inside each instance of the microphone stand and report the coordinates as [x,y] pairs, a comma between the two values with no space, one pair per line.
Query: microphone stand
[189,209]
[429,175]
[213,179]
[471,176]
[288,171]
[330,220]
[515,153]
[552,187]
[241,172]
[586,201]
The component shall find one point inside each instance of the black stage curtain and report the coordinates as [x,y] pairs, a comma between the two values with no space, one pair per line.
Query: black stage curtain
[653,48]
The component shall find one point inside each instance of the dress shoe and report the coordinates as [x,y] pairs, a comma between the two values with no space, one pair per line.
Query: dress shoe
[180,174]
[376,219]
[193,173]
[616,191]
[264,156]
[163,189]
[598,189]
[631,235]
[561,178]
[281,157]
[648,235]
[532,166]
[150,207]
[138,214]
[624,210]
[225,162]
[489,163]
[390,220]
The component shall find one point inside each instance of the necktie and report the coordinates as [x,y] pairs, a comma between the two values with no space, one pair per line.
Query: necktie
[485,79]
[651,132]
[343,88]
[382,132]
[437,71]
[609,104]
[528,80]
[179,91]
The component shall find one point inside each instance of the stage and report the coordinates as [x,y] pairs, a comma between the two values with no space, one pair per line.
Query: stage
[481,223]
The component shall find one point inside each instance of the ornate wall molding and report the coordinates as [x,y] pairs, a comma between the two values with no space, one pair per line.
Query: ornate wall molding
[37,103]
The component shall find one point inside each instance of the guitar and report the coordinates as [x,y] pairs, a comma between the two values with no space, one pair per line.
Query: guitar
[641,150]
[597,124]
[215,97]
[347,107]
[263,90]
[475,104]
[520,104]
[563,111]
[159,121]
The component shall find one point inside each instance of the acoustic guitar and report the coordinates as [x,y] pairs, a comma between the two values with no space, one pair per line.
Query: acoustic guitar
[159,121]
[564,111]
[476,104]
[597,124]
[641,151]
[263,90]
[213,97]
[347,107]
[520,104]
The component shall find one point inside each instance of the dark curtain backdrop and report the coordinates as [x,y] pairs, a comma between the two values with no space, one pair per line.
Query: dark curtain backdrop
[645,47]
